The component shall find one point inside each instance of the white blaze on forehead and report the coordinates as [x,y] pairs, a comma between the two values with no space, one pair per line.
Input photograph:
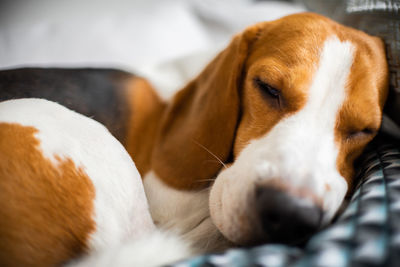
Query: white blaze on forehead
[328,89]
[300,151]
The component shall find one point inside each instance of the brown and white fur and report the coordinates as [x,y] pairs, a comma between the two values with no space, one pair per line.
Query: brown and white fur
[327,85]
[67,186]
[284,110]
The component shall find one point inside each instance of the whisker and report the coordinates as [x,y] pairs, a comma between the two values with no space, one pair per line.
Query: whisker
[205,180]
[204,189]
[212,154]
[211,160]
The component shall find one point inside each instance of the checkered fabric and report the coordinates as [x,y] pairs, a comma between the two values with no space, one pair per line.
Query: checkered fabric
[367,233]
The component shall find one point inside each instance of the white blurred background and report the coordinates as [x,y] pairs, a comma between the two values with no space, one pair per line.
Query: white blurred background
[167,41]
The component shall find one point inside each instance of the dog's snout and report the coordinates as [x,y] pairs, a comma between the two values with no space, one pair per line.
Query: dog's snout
[285,218]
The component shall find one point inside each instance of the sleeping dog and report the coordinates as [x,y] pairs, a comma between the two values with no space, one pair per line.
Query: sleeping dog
[259,147]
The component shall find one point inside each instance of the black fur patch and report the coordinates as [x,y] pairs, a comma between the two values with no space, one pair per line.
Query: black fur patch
[96,93]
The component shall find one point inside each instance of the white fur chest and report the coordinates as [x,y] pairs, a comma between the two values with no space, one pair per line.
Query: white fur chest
[185,212]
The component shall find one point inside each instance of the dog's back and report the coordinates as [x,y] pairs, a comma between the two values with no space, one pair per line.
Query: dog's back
[126,104]
[96,93]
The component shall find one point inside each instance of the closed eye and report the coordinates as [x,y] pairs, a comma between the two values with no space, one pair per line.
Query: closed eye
[268,90]
[367,132]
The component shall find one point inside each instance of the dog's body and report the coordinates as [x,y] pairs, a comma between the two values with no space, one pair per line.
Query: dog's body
[60,199]
[273,123]
[133,110]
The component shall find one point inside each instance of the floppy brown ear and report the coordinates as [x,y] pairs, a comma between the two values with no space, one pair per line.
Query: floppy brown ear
[203,116]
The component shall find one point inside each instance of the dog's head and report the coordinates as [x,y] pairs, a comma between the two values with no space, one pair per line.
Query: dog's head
[287,107]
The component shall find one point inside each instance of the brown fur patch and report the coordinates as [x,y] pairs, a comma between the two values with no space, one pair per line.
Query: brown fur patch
[362,109]
[145,114]
[45,210]
[200,123]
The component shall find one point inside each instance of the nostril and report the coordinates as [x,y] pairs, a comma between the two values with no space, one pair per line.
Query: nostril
[270,220]
[273,217]
[285,218]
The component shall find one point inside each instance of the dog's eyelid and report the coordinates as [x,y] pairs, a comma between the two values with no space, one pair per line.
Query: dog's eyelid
[365,132]
[268,90]
[369,130]
[265,85]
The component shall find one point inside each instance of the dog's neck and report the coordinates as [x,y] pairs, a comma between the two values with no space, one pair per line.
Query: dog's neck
[184,212]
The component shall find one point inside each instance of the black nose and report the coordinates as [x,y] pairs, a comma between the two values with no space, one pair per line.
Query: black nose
[285,218]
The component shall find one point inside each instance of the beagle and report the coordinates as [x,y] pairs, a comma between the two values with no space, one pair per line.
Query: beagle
[259,147]
[67,186]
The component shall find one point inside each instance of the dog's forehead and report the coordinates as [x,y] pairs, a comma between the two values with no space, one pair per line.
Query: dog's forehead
[288,52]
[295,39]
[299,38]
